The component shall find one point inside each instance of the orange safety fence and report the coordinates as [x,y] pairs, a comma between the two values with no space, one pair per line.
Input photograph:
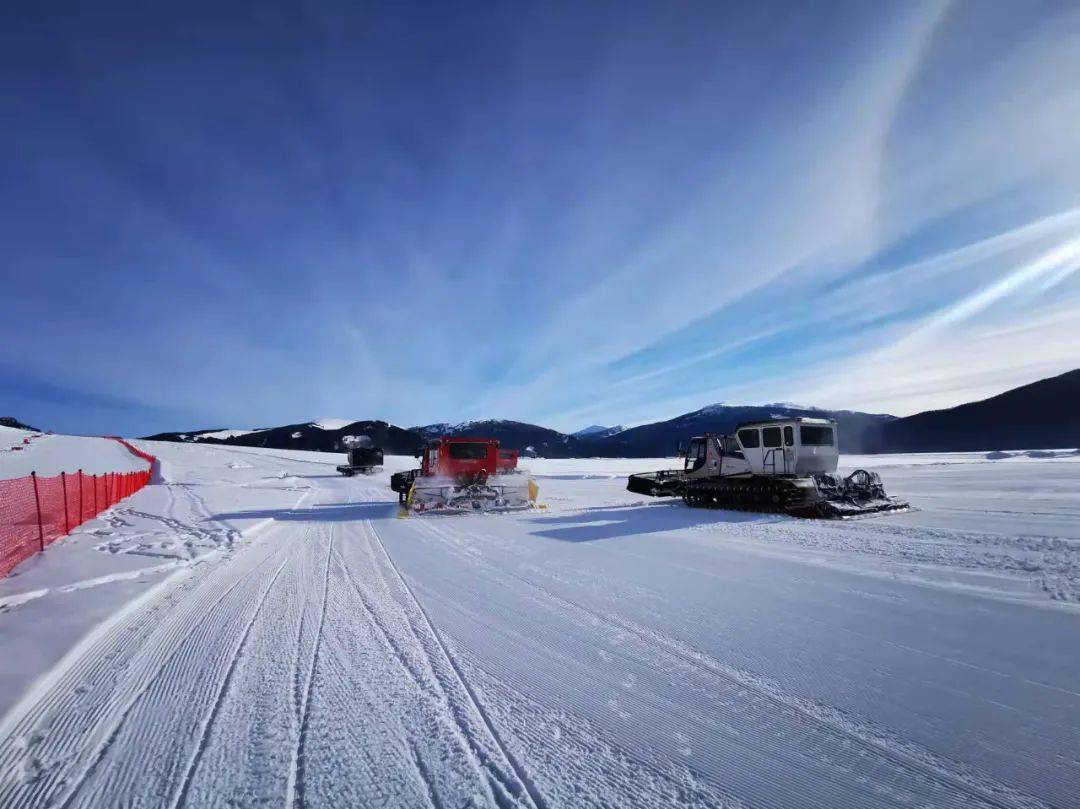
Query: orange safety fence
[35,511]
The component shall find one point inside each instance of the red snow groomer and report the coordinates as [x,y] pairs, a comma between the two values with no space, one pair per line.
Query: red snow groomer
[465,474]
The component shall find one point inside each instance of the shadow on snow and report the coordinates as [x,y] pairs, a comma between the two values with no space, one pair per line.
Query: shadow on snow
[329,512]
[612,522]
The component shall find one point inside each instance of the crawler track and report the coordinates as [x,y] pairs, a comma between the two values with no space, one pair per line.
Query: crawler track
[778,496]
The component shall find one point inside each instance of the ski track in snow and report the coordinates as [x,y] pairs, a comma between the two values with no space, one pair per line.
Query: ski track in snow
[875,742]
[611,655]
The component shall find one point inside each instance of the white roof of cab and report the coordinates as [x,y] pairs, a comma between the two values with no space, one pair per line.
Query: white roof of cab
[795,419]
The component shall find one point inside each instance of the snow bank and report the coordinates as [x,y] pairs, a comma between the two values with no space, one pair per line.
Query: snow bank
[208,501]
[52,454]
[13,437]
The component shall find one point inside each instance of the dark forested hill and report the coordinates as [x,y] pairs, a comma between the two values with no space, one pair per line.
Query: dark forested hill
[1042,415]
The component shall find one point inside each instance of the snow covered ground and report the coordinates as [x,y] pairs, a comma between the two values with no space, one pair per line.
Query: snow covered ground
[52,454]
[257,629]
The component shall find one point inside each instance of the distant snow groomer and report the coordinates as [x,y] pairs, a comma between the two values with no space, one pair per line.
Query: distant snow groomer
[363,456]
[465,474]
[781,465]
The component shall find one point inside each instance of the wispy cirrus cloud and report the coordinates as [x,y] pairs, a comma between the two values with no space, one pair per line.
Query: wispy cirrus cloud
[569,215]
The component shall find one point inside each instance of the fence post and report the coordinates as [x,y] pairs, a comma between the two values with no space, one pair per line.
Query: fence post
[37,501]
[81,512]
[63,483]
[95,495]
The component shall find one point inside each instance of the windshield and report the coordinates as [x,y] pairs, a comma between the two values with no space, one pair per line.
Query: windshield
[695,455]
[469,451]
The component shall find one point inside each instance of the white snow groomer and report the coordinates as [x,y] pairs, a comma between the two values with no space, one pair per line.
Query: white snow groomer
[362,456]
[781,465]
[465,474]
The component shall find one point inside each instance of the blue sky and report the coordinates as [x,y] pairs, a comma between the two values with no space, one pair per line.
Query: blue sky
[218,215]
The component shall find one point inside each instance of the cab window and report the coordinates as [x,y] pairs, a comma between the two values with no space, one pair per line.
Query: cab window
[816,436]
[789,436]
[770,436]
[695,455]
[468,451]
[749,438]
[731,447]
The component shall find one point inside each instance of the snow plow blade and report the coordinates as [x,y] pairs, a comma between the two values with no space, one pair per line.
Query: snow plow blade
[665,483]
[860,494]
[848,511]
[435,495]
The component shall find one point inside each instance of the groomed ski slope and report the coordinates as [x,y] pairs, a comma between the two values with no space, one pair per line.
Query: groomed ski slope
[259,630]
[24,451]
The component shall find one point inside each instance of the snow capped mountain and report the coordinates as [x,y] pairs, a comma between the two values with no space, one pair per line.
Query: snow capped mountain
[332,424]
[512,434]
[1041,415]
[221,435]
[724,407]
[447,428]
[598,431]
[793,406]
[321,436]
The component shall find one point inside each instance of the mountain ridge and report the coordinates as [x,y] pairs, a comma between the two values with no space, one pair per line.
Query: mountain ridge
[1041,415]
[1044,414]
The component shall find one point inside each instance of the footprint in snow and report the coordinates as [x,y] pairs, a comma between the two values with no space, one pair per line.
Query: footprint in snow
[684,743]
[614,705]
[30,770]
[31,740]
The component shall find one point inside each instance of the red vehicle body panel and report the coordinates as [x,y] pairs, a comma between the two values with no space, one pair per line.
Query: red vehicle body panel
[452,457]
[508,460]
